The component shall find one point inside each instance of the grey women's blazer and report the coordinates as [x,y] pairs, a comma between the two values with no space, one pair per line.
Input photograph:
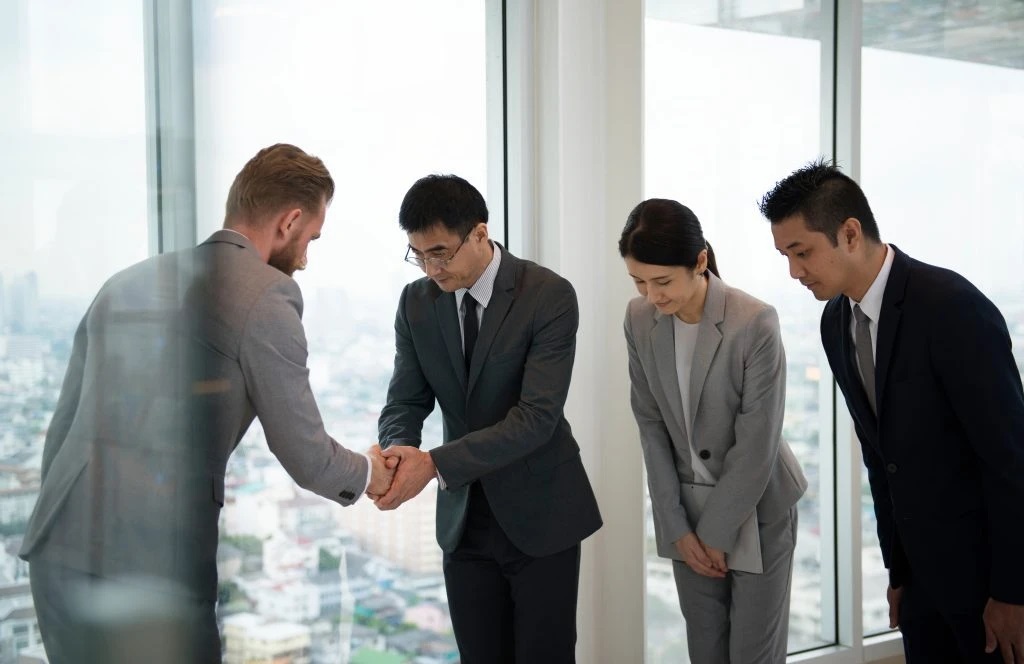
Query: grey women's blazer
[737,399]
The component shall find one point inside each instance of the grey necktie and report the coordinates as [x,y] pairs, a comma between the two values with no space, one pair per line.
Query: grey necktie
[865,357]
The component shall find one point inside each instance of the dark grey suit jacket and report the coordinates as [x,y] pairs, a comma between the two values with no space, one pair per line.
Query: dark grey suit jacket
[503,423]
[171,362]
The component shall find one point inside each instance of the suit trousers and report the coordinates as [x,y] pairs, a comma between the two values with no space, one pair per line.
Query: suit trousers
[508,607]
[86,619]
[932,636]
[743,618]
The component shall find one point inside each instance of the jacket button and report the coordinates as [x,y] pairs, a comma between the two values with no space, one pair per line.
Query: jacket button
[704,454]
[891,468]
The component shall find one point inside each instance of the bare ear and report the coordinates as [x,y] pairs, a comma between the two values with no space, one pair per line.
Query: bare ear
[480,231]
[850,232]
[287,221]
[702,262]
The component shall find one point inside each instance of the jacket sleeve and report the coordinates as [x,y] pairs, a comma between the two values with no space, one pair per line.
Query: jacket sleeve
[273,356]
[893,556]
[659,457]
[972,357]
[410,399]
[70,393]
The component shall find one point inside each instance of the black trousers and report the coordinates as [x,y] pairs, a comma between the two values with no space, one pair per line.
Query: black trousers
[934,636]
[508,607]
[86,619]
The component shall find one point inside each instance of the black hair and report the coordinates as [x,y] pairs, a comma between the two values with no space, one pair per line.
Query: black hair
[824,196]
[442,199]
[660,231]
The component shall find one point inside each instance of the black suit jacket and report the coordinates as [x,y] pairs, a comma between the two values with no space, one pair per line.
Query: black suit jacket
[945,455]
[503,423]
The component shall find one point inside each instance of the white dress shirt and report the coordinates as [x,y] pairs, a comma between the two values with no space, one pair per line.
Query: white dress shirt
[481,292]
[871,304]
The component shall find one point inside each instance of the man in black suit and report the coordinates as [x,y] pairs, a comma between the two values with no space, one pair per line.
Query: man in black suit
[923,359]
[492,339]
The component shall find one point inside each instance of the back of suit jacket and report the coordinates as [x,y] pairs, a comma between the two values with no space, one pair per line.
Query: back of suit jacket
[172,361]
[945,454]
[503,423]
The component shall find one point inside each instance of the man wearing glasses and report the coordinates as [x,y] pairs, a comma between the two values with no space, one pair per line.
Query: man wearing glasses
[492,339]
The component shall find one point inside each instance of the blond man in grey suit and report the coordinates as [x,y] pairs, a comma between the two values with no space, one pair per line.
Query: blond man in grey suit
[171,363]
[708,375]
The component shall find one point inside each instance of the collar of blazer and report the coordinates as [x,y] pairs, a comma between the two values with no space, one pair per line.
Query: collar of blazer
[888,325]
[232,237]
[501,300]
[709,338]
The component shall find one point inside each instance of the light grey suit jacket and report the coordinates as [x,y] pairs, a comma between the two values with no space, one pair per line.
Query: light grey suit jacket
[737,398]
[503,423]
[171,362]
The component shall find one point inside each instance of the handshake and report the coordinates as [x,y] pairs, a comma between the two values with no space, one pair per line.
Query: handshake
[397,474]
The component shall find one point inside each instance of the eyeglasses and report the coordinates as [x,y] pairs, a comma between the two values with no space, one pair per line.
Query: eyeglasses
[433,261]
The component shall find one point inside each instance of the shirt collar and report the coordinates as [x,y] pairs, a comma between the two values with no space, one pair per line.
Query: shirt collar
[871,303]
[484,286]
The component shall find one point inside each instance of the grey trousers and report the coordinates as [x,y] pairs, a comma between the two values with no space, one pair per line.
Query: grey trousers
[85,619]
[743,618]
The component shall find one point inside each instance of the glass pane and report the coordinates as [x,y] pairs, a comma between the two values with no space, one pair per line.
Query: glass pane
[721,127]
[382,109]
[942,135]
[73,183]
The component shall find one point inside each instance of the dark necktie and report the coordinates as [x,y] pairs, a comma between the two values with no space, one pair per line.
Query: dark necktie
[865,357]
[470,328]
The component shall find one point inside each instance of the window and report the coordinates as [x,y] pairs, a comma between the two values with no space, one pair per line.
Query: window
[943,113]
[384,94]
[731,105]
[73,182]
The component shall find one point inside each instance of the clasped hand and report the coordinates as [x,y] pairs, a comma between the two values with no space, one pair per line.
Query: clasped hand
[702,558]
[398,474]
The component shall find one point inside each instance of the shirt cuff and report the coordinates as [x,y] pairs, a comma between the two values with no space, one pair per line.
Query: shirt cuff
[369,476]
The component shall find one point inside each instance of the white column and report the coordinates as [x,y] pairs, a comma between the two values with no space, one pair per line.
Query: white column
[585,153]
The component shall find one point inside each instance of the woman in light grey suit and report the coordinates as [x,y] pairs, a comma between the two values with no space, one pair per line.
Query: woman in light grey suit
[708,375]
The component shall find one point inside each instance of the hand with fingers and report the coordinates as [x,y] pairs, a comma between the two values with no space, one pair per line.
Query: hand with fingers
[717,557]
[894,596]
[696,556]
[382,472]
[1004,629]
[415,470]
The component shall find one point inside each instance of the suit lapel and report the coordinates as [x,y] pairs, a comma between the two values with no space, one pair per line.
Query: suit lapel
[664,346]
[494,314]
[448,321]
[709,338]
[889,320]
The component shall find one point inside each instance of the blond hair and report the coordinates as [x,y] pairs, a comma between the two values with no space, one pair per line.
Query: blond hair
[278,176]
